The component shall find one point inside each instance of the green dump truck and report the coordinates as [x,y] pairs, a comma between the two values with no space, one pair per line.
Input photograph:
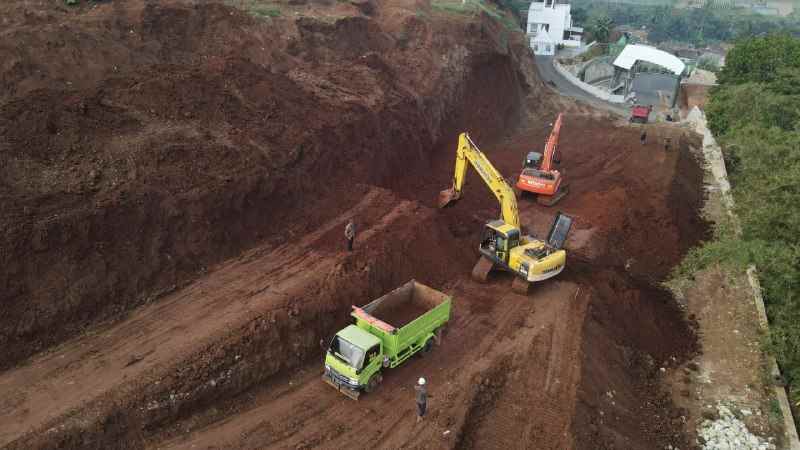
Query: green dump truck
[387,332]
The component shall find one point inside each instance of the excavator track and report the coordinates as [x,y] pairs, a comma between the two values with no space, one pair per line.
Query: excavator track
[520,286]
[550,200]
[481,270]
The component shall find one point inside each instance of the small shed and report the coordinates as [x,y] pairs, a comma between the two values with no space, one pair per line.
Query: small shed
[633,53]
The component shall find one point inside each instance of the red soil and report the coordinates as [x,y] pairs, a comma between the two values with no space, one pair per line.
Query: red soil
[225,153]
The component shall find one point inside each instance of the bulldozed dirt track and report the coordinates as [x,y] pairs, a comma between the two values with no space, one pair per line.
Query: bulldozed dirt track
[217,157]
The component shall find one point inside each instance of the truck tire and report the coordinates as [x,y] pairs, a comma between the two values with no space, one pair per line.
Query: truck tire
[372,384]
[427,347]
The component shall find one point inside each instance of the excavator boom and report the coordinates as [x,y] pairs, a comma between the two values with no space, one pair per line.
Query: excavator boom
[542,179]
[468,153]
[550,147]
[502,244]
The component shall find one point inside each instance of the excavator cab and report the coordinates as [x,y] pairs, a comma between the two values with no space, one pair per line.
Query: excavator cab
[533,160]
[497,239]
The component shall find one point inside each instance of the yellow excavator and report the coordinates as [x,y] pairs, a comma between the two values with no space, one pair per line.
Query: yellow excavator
[503,246]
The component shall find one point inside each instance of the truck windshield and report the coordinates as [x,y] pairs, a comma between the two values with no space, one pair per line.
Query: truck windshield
[347,352]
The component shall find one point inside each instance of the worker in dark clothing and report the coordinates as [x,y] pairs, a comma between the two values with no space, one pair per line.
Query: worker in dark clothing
[643,136]
[667,142]
[350,234]
[422,399]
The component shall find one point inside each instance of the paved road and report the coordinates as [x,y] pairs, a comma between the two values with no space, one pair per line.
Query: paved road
[549,74]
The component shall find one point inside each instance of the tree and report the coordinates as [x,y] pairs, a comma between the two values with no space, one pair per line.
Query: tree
[755,114]
[760,59]
[579,15]
[600,27]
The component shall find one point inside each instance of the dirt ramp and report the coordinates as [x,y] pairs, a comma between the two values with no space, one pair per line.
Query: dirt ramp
[255,317]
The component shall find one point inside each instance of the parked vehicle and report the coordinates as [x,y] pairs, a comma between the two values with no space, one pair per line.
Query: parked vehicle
[386,333]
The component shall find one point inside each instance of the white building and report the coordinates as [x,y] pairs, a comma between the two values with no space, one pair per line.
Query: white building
[550,24]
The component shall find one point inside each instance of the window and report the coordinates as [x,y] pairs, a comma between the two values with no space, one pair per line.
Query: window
[347,352]
[501,243]
[372,353]
[489,239]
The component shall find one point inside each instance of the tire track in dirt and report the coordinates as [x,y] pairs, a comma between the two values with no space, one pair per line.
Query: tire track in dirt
[469,350]
[121,359]
[528,389]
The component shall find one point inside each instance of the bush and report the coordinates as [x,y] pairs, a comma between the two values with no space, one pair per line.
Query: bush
[755,113]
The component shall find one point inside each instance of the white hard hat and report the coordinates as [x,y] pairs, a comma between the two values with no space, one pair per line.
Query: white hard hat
[421,381]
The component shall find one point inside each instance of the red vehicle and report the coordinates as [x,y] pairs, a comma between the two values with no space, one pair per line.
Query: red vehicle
[640,113]
[538,175]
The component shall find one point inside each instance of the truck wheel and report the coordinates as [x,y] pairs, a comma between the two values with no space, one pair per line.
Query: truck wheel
[427,347]
[372,383]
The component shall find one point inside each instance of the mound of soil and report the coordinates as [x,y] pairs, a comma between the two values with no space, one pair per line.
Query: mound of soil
[401,315]
[198,131]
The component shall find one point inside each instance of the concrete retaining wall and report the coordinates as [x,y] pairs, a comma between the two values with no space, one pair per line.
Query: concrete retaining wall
[597,69]
[596,92]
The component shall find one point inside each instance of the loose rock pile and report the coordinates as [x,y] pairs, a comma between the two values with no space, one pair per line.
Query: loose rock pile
[730,433]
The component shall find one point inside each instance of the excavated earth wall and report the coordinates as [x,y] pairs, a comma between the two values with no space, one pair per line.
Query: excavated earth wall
[203,132]
[175,208]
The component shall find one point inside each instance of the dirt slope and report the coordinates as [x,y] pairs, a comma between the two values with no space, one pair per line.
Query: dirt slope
[203,132]
[194,186]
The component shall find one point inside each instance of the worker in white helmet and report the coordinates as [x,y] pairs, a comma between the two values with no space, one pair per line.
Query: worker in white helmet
[422,398]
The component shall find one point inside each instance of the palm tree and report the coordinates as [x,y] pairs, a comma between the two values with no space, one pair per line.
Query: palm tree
[600,27]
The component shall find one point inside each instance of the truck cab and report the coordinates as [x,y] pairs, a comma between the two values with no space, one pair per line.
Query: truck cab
[352,358]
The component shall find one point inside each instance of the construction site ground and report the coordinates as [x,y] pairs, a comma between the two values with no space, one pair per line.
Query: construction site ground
[174,251]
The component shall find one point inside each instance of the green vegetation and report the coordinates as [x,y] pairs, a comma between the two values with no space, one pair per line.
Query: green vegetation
[258,8]
[707,63]
[474,7]
[755,114]
[600,27]
[699,26]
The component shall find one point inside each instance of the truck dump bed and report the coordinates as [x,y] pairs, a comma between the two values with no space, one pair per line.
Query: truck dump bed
[403,316]
[403,305]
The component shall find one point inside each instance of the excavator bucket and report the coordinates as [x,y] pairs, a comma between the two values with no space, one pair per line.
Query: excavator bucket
[550,200]
[447,196]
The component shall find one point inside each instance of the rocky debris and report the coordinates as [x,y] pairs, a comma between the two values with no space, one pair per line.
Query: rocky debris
[729,433]
[700,76]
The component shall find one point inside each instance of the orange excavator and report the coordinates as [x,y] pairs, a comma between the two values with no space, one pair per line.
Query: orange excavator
[538,175]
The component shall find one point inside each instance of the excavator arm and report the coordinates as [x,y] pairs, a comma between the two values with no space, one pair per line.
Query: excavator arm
[468,153]
[550,147]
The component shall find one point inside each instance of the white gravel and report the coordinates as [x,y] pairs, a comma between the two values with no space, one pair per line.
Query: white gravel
[730,433]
